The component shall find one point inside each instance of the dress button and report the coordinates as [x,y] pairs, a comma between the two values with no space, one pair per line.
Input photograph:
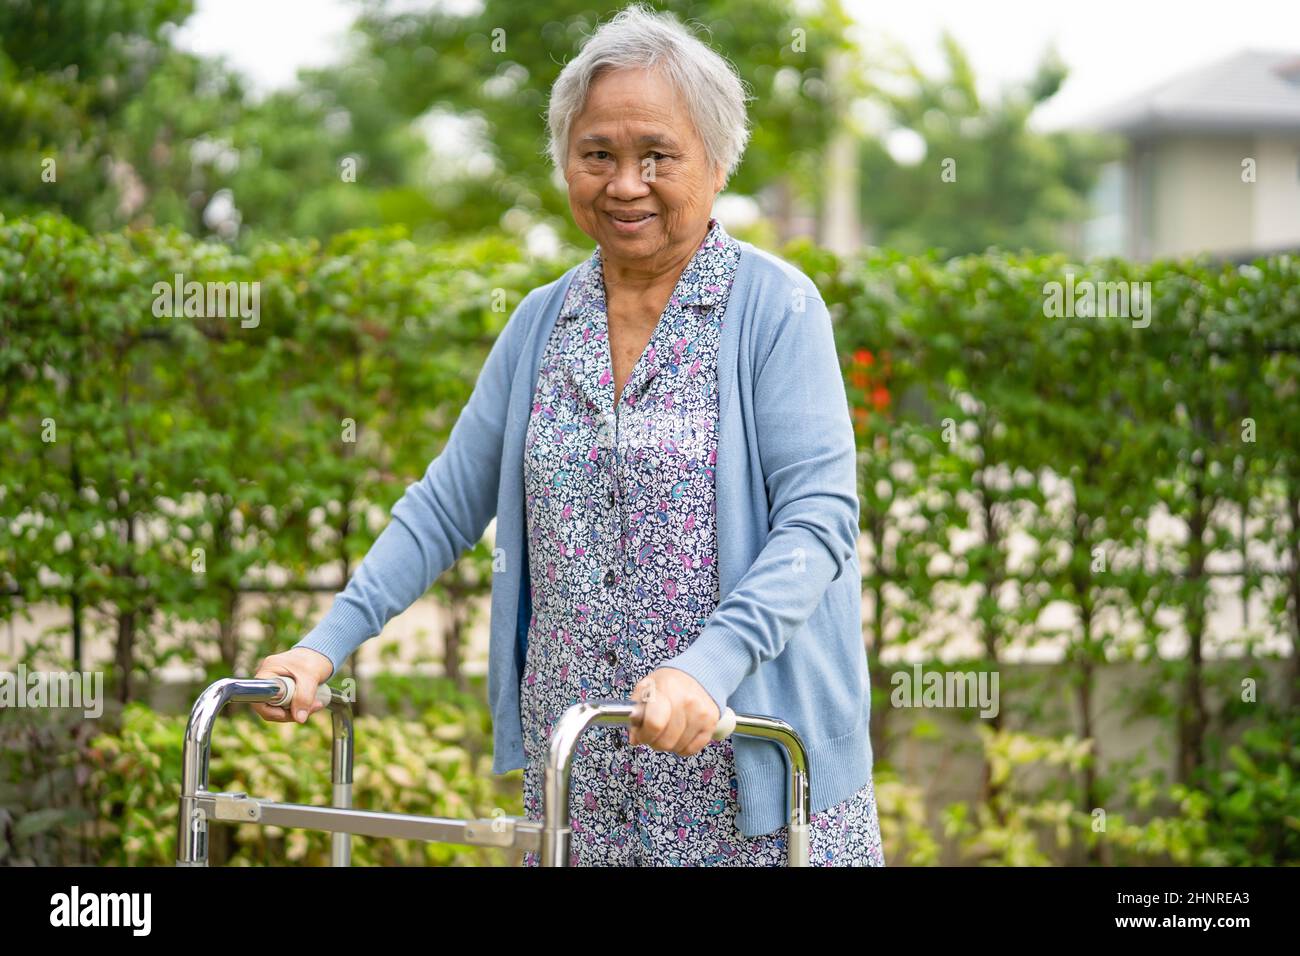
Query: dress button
[609,499]
[609,579]
[611,657]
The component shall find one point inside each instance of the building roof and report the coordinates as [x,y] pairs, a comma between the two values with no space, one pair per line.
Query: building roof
[1253,90]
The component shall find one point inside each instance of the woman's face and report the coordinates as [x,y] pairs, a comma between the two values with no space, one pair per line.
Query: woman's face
[633,150]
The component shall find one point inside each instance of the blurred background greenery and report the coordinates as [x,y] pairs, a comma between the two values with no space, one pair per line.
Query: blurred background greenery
[1160,691]
[147,134]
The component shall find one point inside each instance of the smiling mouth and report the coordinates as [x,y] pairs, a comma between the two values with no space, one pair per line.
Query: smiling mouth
[642,218]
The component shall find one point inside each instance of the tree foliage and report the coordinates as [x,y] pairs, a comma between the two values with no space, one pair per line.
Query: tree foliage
[987,178]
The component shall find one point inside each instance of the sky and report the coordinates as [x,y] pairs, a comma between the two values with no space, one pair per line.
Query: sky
[1115,48]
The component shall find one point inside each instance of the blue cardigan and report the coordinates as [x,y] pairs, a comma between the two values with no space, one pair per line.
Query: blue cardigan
[786,638]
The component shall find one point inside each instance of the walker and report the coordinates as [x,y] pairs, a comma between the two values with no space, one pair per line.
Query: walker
[549,839]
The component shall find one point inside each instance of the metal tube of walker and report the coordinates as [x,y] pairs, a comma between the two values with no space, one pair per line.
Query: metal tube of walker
[574,722]
[196,752]
[555,834]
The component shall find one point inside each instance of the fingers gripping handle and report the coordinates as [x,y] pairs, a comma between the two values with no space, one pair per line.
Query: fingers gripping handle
[290,687]
[725,728]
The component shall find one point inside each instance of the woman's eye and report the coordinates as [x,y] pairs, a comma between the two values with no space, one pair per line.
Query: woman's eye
[601,154]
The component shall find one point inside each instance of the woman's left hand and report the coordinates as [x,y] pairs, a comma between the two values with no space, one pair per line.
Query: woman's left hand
[678,715]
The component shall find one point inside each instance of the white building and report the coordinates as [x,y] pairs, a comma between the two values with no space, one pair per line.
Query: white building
[1211,164]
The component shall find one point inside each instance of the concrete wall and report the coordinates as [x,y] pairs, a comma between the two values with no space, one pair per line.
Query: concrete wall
[1200,202]
[1184,195]
[1276,210]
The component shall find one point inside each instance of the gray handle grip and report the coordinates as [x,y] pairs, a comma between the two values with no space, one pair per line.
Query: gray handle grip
[323,693]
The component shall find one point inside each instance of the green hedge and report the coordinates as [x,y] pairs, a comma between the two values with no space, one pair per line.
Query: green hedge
[131,440]
[1015,462]
[1077,433]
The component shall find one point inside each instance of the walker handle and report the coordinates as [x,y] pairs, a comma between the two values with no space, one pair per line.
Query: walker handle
[323,693]
[726,724]
[725,728]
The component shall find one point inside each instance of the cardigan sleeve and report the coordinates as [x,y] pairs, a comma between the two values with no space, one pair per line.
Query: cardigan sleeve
[437,518]
[804,433]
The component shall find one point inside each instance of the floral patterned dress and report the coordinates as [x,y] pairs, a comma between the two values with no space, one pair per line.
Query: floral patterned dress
[622,547]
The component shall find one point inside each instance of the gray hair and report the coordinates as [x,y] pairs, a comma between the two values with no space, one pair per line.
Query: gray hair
[639,37]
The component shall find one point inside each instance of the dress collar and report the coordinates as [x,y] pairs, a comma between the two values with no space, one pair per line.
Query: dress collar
[699,284]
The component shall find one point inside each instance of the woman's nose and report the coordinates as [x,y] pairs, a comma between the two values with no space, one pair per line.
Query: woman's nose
[629,181]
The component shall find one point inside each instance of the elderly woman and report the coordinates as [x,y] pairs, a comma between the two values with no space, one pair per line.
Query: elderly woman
[663,436]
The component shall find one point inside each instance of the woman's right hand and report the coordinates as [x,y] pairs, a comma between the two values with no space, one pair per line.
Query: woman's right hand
[309,669]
